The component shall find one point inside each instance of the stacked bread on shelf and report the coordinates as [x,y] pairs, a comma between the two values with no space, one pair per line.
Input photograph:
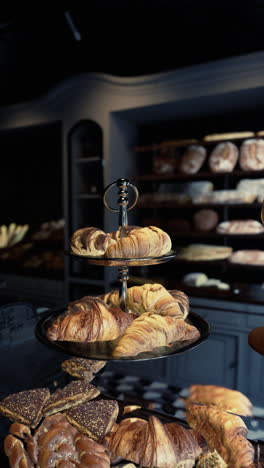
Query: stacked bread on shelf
[76,426]
[157,318]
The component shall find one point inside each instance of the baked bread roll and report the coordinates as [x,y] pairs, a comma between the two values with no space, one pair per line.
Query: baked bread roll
[251,156]
[223,158]
[205,220]
[150,331]
[243,226]
[152,298]
[89,319]
[228,136]
[248,257]
[224,432]
[138,242]
[153,444]
[222,398]
[192,159]
[198,252]
[195,279]
[225,196]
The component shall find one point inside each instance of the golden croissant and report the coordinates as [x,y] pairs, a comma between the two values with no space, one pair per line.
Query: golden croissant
[224,432]
[137,243]
[89,320]
[150,331]
[221,397]
[152,444]
[152,298]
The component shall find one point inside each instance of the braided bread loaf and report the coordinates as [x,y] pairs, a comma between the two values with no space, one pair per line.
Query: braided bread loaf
[137,243]
[56,443]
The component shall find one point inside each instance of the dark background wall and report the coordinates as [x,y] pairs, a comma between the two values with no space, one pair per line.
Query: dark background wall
[41,45]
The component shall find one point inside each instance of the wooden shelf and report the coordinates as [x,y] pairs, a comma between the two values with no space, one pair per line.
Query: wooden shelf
[200,175]
[197,205]
[183,143]
[213,235]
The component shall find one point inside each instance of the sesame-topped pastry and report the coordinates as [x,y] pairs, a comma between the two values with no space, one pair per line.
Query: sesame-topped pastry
[82,368]
[94,418]
[73,394]
[25,407]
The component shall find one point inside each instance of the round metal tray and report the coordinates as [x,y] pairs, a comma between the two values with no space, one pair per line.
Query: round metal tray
[126,261]
[102,350]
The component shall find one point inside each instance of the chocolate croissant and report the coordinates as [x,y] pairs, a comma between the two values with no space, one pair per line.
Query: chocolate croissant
[150,331]
[137,243]
[224,432]
[89,319]
[152,444]
[152,298]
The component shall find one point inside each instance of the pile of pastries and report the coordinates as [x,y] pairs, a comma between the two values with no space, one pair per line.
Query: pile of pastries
[156,318]
[77,426]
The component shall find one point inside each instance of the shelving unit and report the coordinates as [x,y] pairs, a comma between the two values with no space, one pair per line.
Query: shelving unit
[86,180]
[163,212]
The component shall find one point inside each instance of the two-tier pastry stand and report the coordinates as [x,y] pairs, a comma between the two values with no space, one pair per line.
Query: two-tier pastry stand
[102,350]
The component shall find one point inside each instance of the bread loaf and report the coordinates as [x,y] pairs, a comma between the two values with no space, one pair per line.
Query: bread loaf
[205,220]
[198,252]
[244,226]
[248,257]
[223,158]
[251,156]
[225,196]
[167,160]
[192,159]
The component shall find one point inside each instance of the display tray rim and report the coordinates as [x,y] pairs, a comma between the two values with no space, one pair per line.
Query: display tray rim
[125,261]
[85,350]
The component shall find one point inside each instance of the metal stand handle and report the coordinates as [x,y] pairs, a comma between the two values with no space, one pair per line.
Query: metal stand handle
[123,202]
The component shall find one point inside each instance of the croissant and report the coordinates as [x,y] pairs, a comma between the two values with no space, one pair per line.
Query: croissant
[138,242]
[152,298]
[141,242]
[224,432]
[152,444]
[150,331]
[221,397]
[89,319]
[90,241]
